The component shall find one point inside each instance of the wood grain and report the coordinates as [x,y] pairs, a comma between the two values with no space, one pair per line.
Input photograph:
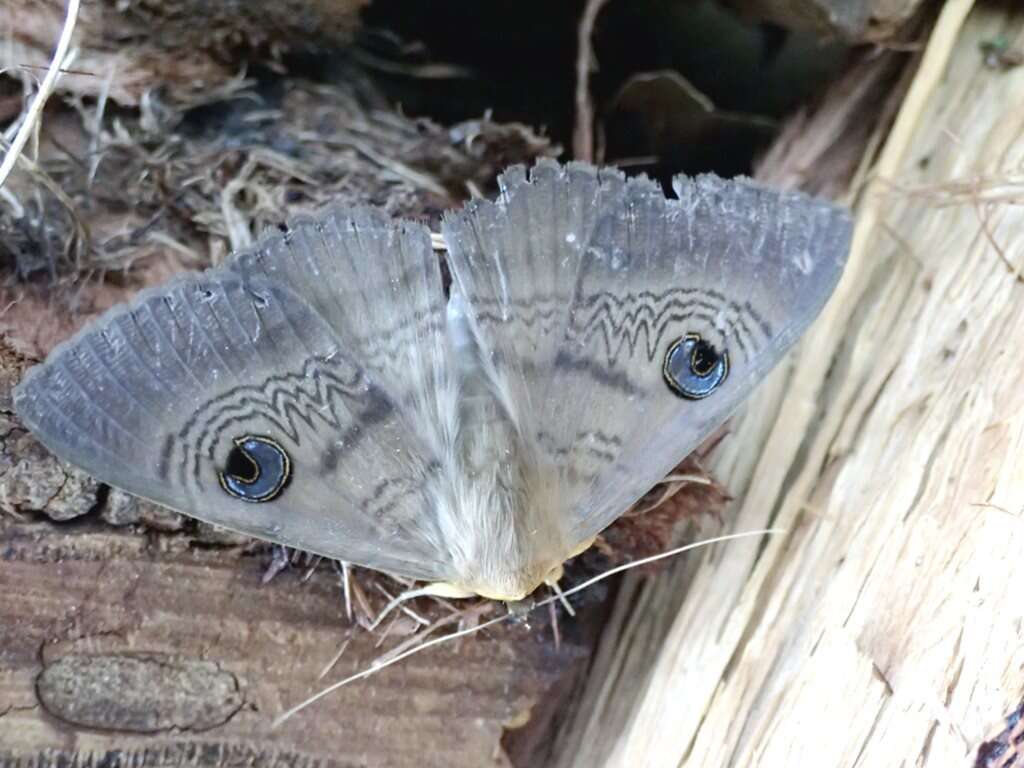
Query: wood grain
[883,627]
[118,649]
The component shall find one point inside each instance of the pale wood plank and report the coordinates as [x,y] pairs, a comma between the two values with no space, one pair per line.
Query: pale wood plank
[883,628]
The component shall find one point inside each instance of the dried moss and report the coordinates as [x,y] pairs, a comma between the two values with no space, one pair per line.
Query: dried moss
[198,183]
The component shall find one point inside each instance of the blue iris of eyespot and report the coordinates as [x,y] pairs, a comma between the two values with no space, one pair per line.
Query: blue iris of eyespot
[694,368]
[257,469]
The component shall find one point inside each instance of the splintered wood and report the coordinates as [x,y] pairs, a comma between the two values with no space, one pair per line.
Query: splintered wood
[884,627]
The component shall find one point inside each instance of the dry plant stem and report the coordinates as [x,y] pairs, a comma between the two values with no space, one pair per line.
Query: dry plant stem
[583,132]
[335,659]
[81,235]
[45,89]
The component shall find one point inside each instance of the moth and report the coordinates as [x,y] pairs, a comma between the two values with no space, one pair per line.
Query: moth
[325,390]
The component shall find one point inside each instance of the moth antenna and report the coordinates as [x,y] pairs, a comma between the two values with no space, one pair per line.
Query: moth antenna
[436,589]
[336,659]
[346,586]
[382,664]
[672,485]
[312,567]
[420,637]
[374,668]
[403,608]
[654,558]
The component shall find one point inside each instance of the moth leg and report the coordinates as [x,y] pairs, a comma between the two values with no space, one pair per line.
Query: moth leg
[437,589]
[552,580]
[279,560]
[341,567]
[556,573]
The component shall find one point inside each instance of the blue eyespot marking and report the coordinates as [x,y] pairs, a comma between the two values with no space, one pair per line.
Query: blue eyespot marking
[257,469]
[694,368]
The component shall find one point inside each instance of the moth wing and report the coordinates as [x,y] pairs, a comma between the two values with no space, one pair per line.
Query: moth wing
[579,284]
[324,346]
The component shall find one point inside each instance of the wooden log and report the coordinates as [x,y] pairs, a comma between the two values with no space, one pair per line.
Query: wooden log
[882,626]
[122,649]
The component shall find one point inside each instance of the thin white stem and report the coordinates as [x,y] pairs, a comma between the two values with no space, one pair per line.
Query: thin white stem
[45,89]
[583,132]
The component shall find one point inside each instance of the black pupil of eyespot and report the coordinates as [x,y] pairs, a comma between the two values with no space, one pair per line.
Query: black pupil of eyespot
[238,464]
[705,358]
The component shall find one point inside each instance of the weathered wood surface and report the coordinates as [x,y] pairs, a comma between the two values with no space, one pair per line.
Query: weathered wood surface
[883,627]
[203,658]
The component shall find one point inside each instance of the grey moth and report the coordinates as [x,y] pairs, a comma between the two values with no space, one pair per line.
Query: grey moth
[324,390]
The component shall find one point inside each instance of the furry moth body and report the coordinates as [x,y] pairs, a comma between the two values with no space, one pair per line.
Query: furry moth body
[320,389]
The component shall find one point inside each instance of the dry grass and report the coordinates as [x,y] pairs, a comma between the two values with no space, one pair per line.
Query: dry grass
[30,120]
[195,184]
